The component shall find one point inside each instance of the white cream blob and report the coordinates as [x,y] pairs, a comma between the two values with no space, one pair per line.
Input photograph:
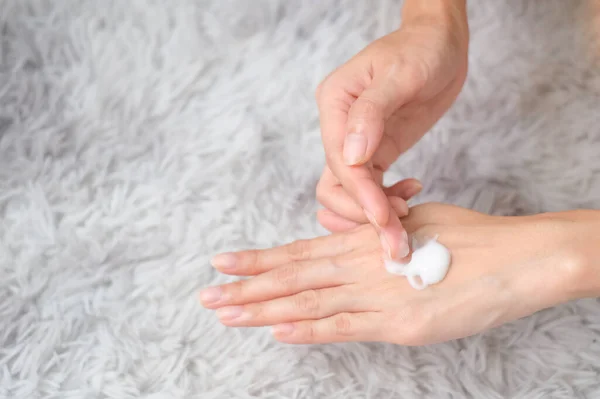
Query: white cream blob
[428,265]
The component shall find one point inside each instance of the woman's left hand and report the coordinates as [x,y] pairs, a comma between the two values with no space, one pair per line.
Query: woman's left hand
[336,288]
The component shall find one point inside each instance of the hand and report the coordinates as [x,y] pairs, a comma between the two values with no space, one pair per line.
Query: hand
[378,105]
[398,195]
[335,288]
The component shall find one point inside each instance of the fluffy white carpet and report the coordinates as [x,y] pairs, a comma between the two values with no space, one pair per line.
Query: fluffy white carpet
[139,137]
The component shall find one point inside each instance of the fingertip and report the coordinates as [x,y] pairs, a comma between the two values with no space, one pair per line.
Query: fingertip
[399,205]
[397,239]
[299,333]
[291,333]
[404,247]
[282,330]
[405,189]
[224,261]
[210,297]
[406,259]
[416,188]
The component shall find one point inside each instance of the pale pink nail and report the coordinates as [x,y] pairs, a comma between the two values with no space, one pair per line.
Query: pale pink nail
[355,148]
[414,190]
[404,249]
[224,261]
[283,329]
[230,312]
[210,295]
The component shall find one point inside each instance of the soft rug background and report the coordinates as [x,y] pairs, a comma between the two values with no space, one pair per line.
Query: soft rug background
[138,138]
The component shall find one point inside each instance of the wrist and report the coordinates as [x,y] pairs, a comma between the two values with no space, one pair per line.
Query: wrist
[450,14]
[444,11]
[580,246]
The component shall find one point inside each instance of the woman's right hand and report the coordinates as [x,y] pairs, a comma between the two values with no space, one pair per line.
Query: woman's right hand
[377,106]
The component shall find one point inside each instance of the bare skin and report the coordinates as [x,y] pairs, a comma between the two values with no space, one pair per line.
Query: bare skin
[378,105]
[335,288]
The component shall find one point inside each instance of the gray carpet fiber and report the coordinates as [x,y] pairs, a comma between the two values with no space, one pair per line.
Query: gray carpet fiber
[139,137]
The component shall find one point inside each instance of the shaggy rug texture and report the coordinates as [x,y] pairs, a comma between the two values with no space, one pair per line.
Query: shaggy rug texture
[140,137]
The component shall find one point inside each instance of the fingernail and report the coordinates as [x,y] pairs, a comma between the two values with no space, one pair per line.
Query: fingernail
[224,261]
[414,189]
[404,249]
[386,245]
[371,218]
[283,329]
[230,312]
[210,295]
[355,148]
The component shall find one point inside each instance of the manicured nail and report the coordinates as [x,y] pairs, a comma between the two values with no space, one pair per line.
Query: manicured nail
[386,245]
[283,329]
[355,148]
[224,261]
[210,295]
[371,218]
[404,249]
[230,312]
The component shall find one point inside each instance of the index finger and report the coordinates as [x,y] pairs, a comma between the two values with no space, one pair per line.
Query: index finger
[257,261]
[357,180]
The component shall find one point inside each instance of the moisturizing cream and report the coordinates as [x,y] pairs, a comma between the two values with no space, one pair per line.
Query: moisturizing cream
[429,265]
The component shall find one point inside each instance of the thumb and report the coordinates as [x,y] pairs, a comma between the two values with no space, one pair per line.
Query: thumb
[369,112]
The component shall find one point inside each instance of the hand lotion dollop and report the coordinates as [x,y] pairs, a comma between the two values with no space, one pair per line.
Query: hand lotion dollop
[428,265]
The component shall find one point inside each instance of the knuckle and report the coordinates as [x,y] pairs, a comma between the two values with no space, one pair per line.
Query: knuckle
[287,276]
[299,250]
[343,325]
[308,301]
